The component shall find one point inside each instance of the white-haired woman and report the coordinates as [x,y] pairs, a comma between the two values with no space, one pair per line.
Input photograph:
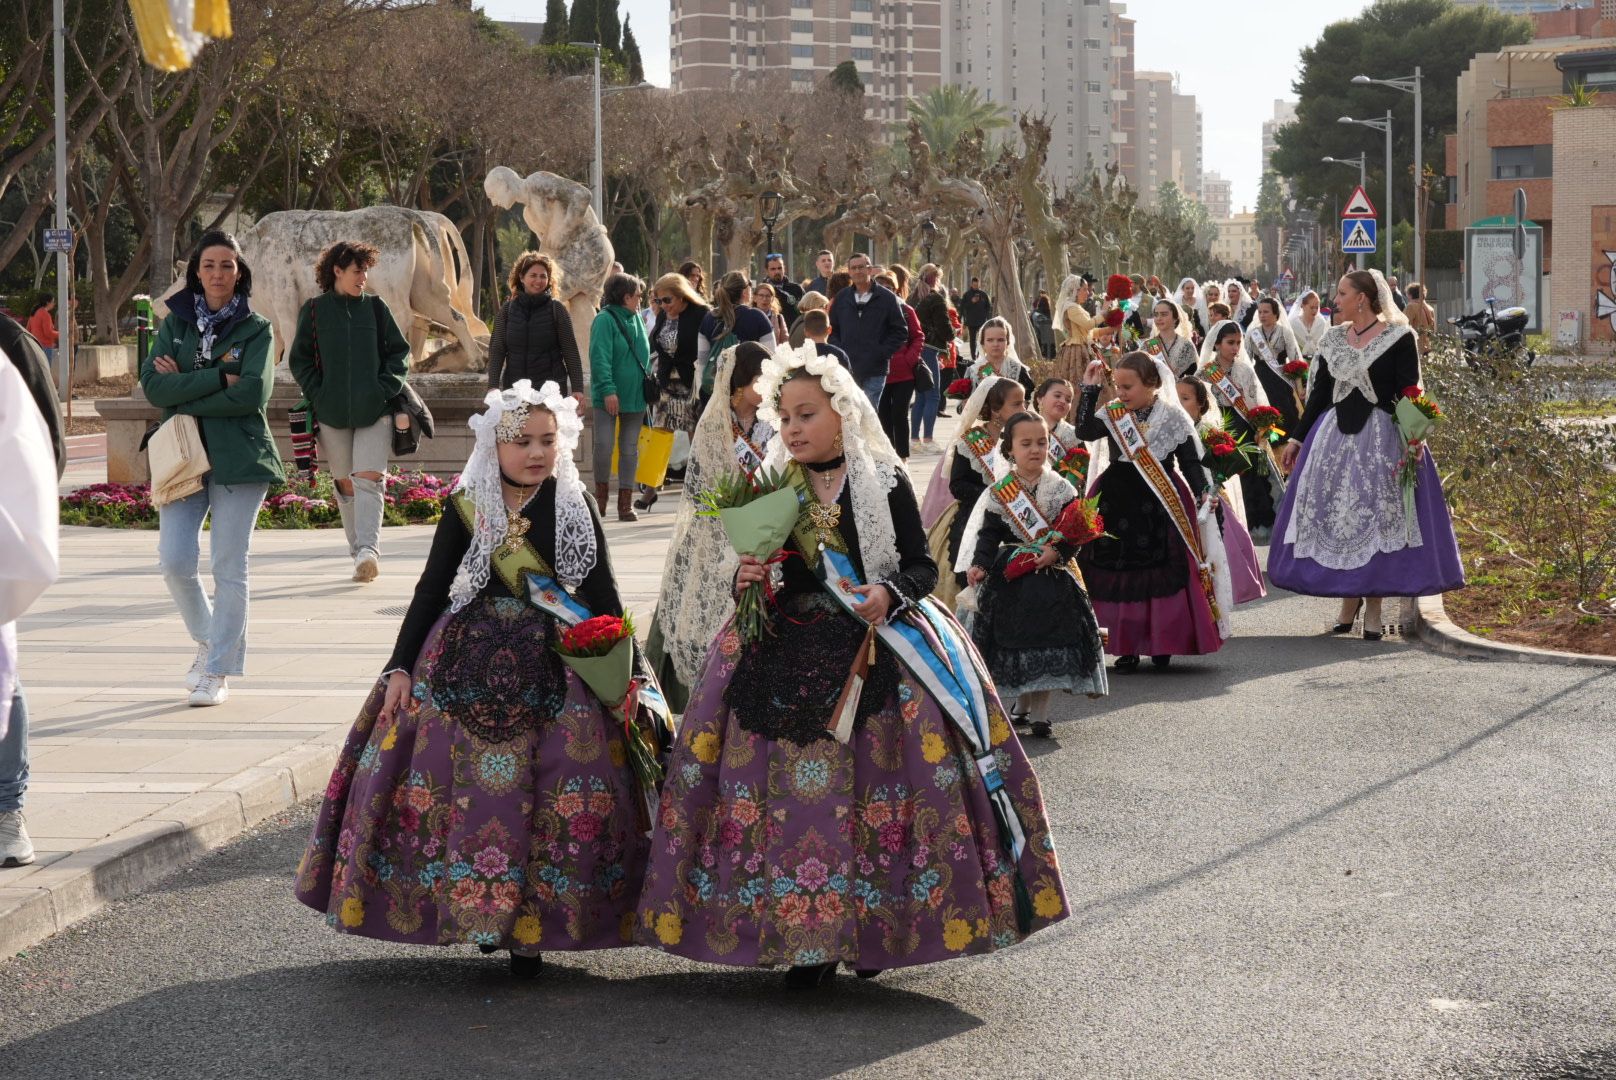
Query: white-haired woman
[484,796]
[1344,528]
[802,828]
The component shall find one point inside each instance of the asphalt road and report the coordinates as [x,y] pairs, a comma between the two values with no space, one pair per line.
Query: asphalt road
[1302,857]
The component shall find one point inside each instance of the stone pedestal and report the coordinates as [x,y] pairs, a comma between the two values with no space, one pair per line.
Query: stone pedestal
[452,399]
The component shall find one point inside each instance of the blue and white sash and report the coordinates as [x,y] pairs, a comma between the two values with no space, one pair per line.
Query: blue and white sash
[935,649]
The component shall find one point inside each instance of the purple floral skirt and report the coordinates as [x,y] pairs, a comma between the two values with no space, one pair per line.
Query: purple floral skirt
[485,814]
[881,853]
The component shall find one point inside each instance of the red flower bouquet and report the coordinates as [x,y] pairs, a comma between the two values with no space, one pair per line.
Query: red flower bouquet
[1075,467]
[1077,524]
[960,388]
[601,652]
[1115,318]
[1118,287]
[1266,419]
[1226,455]
[1296,371]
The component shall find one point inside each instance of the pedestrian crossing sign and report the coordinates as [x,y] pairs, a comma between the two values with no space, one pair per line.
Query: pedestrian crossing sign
[1358,235]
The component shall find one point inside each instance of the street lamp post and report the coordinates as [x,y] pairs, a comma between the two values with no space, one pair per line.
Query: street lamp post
[1411,84]
[1359,161]
[597,174]
[928,236]
[1386,126]
[770,206]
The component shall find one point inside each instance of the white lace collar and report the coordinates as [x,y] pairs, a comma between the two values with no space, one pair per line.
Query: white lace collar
[1165,429]
[1349,365]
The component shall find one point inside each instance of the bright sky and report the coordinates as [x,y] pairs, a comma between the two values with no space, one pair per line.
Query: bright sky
[1236,61]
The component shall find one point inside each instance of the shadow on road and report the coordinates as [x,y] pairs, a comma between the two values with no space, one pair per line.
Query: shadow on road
[449,1014]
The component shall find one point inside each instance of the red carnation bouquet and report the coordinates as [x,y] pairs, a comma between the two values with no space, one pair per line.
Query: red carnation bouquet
[601,652]
[1115,317]
[1227,455]
[1119,287]
[960,389]
[1075,467]
[1266,419]
[1296,371]
[1077,524]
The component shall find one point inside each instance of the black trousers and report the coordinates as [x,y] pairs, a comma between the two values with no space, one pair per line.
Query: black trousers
[894,413]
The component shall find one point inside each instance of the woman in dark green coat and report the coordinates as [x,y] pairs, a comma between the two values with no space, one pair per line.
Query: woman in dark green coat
[350,359]
[212,360]
[619,363]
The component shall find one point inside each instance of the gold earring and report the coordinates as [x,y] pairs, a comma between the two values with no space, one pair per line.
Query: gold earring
[838,443]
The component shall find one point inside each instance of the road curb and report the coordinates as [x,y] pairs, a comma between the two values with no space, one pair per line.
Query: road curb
[1441,633]
[59,895]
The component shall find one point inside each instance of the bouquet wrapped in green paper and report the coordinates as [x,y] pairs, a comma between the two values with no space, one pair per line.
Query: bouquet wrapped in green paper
[757,512]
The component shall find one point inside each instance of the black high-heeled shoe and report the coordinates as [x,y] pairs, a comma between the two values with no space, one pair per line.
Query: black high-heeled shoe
[1161,663]
[1346,627]
[647,498]
[1373,635]
[867,973]
[808,976]
[1126,663]
[1042,729]
[488,950]
[526,967]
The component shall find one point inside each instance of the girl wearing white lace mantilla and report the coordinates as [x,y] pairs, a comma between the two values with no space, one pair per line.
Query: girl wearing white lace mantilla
[1036,632]
[1225,346]
[1342,528]
[483,795]
[972,463]
[1152,579]
[1271,345]
[695,599]
[808,819]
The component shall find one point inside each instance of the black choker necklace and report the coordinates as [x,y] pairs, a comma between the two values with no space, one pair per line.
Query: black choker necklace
[1365,330]
[519,487]
[826,466]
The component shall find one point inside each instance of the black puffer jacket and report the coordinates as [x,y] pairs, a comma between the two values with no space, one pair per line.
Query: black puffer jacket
[533,339]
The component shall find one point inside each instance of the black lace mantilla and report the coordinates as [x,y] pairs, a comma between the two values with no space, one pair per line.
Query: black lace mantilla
[786,686]
[497,672]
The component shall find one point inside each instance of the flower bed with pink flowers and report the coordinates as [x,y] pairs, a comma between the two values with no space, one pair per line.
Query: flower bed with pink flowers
[412,498]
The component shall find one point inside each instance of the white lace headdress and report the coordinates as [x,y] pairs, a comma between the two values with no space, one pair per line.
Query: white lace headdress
[1243,371]
[1287,335]
[872,464]
[1012,365]
[1066,298]
[1389,311]
[501,421]
[695,598]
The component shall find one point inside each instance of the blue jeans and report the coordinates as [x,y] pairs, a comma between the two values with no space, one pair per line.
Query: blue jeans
[14,756]
[221,626]
[923,412]
[872,388]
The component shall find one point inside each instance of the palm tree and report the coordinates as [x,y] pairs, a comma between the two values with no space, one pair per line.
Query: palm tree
[948,112]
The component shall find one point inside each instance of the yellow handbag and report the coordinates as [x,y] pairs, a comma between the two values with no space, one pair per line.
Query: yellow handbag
[656,450]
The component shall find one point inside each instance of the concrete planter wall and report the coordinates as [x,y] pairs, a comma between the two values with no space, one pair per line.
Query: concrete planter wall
[103,362]
[452,399]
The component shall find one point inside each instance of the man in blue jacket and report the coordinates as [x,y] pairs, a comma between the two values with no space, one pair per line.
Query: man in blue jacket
[868,324]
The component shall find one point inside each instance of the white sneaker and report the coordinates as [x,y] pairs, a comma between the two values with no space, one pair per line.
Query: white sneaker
[194,676]
[366,567]
[210,690]
[15,847]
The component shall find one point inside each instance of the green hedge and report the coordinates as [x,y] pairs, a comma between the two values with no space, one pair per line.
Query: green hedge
[1444,249]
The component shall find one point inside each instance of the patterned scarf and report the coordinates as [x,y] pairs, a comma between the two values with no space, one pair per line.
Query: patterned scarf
[209,322]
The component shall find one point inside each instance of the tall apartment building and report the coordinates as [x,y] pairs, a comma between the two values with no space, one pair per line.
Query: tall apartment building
[1124,102]
[1188,140]
[1053,57]
[897,46]
[1216,194]
[1167,138]
[1284,113]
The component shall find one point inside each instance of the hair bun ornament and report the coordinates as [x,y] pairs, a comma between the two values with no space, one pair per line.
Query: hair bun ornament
[1118,287]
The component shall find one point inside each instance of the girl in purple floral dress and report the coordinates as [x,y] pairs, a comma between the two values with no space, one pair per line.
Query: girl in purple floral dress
[483,795]
[904,829]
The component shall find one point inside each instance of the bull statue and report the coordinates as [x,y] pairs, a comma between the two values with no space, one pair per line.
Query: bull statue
[561,215]
[422,273]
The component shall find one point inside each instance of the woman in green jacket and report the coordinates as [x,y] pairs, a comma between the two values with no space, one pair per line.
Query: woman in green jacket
[212,360]
[619,362]
[351,361]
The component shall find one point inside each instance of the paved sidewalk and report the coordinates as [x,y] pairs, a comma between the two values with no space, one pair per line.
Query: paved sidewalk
[128,781]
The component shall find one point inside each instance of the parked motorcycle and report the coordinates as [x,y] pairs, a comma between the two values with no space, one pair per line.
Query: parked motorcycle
[1494,333]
